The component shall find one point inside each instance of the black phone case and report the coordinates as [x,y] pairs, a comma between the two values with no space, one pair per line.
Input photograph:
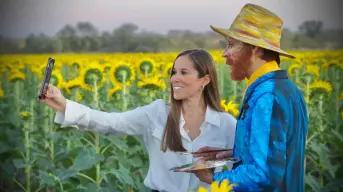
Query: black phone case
[46,79]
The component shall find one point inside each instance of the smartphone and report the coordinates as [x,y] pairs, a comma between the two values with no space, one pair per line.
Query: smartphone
[46,79]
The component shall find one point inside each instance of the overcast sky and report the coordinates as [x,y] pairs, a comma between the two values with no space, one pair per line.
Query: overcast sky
[21,17]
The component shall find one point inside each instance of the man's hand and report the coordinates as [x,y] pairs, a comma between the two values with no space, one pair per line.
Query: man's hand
[212,155]
[204,175]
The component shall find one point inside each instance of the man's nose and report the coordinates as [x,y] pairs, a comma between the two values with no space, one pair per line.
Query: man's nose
[225,52]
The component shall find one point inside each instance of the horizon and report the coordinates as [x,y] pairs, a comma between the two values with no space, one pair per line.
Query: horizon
[21,18]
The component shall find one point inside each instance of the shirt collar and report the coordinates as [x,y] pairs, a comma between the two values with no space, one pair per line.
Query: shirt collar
[264,69]
[211,116]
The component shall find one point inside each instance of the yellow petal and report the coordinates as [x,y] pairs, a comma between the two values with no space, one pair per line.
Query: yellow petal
[202,189]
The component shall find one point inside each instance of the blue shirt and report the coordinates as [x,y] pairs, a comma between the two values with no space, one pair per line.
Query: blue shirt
[270,137]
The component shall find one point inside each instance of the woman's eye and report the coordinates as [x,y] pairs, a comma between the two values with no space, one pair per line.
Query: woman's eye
[184,73]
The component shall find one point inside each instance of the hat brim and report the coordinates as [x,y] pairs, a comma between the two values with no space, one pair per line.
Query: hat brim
[226,33]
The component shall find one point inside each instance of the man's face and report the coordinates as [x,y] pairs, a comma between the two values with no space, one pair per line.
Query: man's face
[238,57]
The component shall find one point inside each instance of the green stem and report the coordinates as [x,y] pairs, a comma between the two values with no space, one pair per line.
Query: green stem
[124,76]
[27,160]
[19,184]
[146,71]
[308,95]
[85,176]
[105,148]
[97,136]
[311,137]
[61,185]
[51,133]
[90,143]
[321,101]
[17,96]
[337,92]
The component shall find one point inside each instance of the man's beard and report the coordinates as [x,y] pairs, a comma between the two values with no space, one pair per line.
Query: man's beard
[241,64]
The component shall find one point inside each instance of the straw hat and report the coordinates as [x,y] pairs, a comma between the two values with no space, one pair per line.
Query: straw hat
[257,26]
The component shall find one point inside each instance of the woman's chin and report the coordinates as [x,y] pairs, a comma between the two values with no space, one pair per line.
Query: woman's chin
[178,97]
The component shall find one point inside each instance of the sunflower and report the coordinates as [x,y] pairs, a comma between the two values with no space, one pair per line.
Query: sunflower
[146,67]
[312,69]
[15,74]
[231,107]
[293,67]
[331,63]
[168,69]
[106,67]
[225,186]
[57,79]
[1,92]
[90,74]
[24,115]
[75,83]
[154,83]
[122,73]
[320,85]
[37,68]
[114,91]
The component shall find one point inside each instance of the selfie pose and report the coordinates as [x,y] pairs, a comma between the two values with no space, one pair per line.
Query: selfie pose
[193,119]
[272,125]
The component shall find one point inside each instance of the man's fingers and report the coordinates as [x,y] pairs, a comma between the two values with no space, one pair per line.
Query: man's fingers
[222,155]
[225,154]
[206,148]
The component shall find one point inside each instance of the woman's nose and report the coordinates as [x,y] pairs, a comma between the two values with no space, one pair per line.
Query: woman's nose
[175,78]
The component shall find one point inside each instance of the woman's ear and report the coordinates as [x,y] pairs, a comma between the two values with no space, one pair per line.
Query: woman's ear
[207,80]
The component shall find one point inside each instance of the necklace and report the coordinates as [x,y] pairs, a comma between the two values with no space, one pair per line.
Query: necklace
[187,130]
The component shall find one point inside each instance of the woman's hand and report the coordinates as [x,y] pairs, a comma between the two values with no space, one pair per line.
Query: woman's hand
[54,99]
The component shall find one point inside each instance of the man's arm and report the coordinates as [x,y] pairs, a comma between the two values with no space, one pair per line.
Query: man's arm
[267,147]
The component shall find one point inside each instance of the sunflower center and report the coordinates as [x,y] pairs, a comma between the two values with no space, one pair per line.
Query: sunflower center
[146,67]
[123,74]
[93,75]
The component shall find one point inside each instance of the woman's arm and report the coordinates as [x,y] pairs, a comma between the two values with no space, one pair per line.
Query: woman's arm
[133,122]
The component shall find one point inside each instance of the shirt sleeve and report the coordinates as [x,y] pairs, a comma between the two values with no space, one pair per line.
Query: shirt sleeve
[132,122]
[267,148]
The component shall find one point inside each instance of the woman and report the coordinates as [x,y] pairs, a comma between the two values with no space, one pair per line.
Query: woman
[193,119]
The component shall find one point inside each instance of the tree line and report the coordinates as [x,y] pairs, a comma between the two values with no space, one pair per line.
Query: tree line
[84,37]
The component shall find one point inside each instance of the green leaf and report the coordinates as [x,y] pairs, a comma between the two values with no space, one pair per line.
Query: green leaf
[46,179]
[4,147]
[87,159]
[65,174]
[91,187]
[118,142]
[19,163]
[123,175]
[312,182]
[338,135]
[136,161]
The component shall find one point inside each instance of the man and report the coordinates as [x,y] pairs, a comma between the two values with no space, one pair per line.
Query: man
[272,125]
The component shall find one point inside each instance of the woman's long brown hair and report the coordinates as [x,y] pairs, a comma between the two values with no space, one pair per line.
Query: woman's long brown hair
[204,64]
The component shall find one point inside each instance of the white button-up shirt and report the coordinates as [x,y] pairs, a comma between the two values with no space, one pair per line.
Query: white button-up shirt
[218,130]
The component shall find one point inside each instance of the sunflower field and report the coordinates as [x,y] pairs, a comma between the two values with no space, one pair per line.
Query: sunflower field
[38,155]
